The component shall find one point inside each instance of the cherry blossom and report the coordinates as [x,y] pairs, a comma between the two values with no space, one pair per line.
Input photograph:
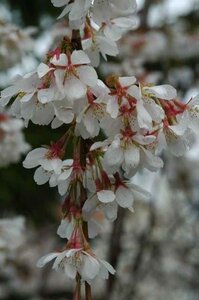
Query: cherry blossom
[73,261]
[191,113]
[77,10]
[72,75]
[113,129]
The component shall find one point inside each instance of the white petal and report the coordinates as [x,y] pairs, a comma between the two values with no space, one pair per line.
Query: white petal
[33,157]
[112,32]
[150,161]
[46,258]
[56,123]
[98,145]
[54,164]
[127,81]
[113,156]
[87,75]
[64,114]
[106,46]
[113,107]
[74,88]
[104,267]
[124,197]
[70,270]
[43,69]
[66,10]
[10,91]
[144,119]
[43,114]
[106,196]
[139,192]
[68,162]
[144,140]
[165,91]
[125,22]
[110,211]
[4,101]
[63,187]
[59,79]
[65,229]
[65,175]
[62,60]
[41,176]
[46,95]
[27,97]
[93,229]
[59,3]
[90,204]
[132,157]
[91,124]
[79,57]
[90,267]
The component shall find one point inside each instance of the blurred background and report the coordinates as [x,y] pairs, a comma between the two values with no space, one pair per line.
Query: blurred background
[155,249]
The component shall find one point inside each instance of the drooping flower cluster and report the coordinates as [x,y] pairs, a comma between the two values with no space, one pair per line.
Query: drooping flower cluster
[12,143]
[139,121]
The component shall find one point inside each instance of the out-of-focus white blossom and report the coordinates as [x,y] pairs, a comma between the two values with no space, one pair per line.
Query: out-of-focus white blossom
[11,236]
[14,41]
[12,142]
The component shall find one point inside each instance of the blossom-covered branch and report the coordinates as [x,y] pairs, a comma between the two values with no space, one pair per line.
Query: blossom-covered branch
[139,120]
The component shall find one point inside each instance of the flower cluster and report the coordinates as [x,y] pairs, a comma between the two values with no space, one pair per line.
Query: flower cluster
[12,143]
[14,41]
[102,23]
[139,121]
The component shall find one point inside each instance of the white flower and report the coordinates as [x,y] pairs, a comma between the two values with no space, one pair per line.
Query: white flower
[89,119]
[120,95]
[114,29]
[104,11]
[73,261]
[127,192]
[28,84]
[77,10]
[130,154]
[72,74]
[68,224]
[99,45]
[26,104]
[51,168]
[191,114]
[108,206]
[47,158]
[64,178]
[177,138]
[144,119]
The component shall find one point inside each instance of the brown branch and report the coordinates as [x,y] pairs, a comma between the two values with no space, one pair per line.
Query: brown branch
[115,247]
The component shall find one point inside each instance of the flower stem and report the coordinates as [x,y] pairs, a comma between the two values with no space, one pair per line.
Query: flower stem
[83,148]
[88,291]
[77,294]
